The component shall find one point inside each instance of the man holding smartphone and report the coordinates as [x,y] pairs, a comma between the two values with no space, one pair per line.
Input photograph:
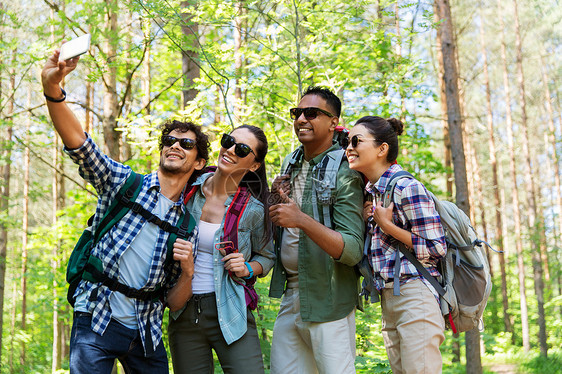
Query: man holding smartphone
[107,324]
[314,269]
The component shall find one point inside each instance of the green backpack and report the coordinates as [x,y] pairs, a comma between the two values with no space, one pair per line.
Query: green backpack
[83,266]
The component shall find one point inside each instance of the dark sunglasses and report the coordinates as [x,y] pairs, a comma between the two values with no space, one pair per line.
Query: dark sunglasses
[185,143]
[241,150]
[355,140]
[309,113]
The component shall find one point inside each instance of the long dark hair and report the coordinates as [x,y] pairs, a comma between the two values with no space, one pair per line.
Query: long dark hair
[384,131]
[256,181]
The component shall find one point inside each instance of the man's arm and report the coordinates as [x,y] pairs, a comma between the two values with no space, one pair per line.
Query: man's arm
[288,214]
[65,122]
[344,244]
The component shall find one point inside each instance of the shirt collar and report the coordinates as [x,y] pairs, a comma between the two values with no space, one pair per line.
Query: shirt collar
[380,185]
[152,181]
[319,158]
[201,180]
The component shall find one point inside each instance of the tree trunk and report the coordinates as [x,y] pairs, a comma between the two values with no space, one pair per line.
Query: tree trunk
[6,149]
[238,60]
[454,119]
[146,76]
[531,192]
[554,157]
[498,203]
[515,192]
[110,98]
[88,115]
[25,228]
[190,69]
[399,55]
[448,162]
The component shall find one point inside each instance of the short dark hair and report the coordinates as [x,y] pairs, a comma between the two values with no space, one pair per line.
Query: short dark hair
[201,139]
[331,99]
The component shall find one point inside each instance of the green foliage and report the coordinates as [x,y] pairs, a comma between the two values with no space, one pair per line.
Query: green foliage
[539,364]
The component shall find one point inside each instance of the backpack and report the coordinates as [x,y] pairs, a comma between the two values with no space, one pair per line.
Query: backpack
[466,282]
[83,266]
[230,234]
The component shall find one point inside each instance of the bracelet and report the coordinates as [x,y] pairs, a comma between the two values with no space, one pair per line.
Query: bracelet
[53,100]
[250,270]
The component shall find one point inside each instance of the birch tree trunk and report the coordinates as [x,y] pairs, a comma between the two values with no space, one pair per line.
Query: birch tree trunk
[531,191]
[515,190]
[498,203]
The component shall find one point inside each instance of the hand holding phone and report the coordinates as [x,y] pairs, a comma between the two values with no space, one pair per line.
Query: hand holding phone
[75,47]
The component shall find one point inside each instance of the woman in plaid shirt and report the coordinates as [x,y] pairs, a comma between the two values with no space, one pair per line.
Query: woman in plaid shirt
[412,324]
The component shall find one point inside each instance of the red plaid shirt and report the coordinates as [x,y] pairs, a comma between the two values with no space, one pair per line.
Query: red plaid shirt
[414,211]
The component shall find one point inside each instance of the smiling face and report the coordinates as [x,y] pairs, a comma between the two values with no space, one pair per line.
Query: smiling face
[368,155]
[315,134]
[176,160]
[230,163]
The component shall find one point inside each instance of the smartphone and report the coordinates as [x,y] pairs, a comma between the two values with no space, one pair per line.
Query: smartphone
[75,47]
[226,248]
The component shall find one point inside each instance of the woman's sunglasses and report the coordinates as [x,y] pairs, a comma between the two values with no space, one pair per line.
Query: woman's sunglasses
[241,150]
[309,113]
[355,140]
[185,143]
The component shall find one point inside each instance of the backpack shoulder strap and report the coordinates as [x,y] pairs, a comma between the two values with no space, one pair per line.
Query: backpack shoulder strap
[324,178]
[128,192]
[422,270]
[388,195]
[294,158]
[233,214]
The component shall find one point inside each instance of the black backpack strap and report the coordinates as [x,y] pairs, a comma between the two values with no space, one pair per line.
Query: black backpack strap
[421,269]
[129,191]
[296,156]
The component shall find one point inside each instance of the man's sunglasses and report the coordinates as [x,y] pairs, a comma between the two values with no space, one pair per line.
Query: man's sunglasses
[355,140]
[241,150]
[185,143]
[309,113]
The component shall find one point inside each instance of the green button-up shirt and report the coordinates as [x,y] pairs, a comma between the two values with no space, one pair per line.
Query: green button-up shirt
[328,288]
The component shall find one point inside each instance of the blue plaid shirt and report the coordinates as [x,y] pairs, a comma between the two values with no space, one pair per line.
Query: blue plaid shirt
[414,211]
[107,176]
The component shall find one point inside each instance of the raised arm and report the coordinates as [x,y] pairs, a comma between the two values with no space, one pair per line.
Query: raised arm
[65,122]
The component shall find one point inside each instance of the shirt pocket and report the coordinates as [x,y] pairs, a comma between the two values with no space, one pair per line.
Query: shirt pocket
[245,242]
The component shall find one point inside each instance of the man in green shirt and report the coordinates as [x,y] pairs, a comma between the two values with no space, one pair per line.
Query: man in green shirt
[314,271]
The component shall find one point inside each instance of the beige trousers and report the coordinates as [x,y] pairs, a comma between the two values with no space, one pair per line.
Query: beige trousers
[413,329]
[300,347]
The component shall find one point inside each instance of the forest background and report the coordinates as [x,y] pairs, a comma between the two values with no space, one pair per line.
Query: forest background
[476,83]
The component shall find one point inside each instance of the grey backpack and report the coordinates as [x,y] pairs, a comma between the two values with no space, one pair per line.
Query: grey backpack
[465,283]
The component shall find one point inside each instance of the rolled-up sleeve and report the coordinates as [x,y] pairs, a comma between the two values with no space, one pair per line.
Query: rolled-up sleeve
[347,214]
[428,236]
[97,168]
